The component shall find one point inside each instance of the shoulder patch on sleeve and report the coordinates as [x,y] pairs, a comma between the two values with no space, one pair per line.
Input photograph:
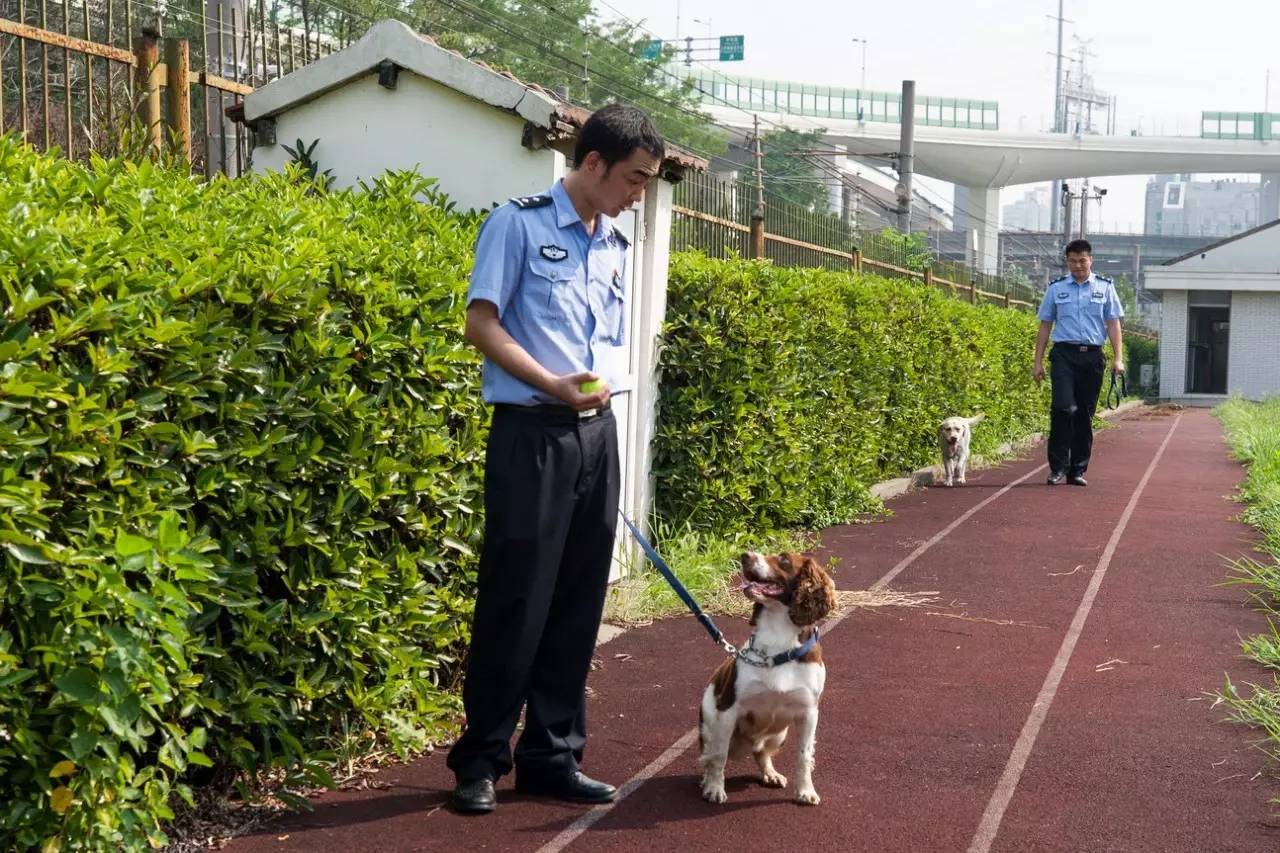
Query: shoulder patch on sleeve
[620,237]
[528,201]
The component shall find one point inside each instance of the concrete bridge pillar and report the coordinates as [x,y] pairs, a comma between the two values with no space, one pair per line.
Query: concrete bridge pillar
[833,172]
[977,213]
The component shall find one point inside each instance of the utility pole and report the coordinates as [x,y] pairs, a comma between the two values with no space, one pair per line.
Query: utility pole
[862,86]
[1084,209]
[906,154]
[1067,198]
[1057,79]
[1085,198]
[1059,120]
[757,215]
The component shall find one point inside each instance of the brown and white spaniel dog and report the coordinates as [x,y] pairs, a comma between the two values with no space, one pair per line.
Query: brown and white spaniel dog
[755,697]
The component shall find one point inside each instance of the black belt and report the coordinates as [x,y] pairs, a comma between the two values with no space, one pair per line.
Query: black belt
[1078,346]
[553,412]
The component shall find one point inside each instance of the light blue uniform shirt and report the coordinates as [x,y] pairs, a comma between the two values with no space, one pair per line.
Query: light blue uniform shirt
[1079,311]
[561,294]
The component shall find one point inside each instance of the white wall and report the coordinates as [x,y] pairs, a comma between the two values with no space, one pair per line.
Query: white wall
[1253,360]
[1253,356]
[652,255]
[364,130]
[1173,345]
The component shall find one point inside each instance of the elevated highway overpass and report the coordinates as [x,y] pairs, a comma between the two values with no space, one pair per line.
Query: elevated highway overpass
[980,162]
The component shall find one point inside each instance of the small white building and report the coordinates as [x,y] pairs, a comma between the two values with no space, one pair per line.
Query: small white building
[1220,329]
[395,100]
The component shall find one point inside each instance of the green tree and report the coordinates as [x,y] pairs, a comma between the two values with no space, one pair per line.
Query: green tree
[557,44]
[909,250]
[1128,296]
[790,174]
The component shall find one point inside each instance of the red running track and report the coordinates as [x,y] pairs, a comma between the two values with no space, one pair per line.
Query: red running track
[1056,696]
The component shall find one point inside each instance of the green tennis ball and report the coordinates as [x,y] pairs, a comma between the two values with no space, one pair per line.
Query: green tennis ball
[591,386]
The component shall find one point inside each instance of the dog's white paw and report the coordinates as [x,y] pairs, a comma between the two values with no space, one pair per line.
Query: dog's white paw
[714,793]
[773,780]
[961,481]
[808,798]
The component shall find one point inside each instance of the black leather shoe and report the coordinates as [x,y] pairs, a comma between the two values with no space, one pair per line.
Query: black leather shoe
[474,796]
[1077,480]
[1056,478]
[574,788]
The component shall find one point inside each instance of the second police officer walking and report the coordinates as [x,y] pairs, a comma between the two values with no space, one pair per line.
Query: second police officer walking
[1080,311]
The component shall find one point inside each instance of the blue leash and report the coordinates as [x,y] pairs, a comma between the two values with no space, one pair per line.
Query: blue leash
[748,654]
[661,564]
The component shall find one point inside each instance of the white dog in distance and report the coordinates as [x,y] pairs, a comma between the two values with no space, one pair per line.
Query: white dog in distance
[954,437]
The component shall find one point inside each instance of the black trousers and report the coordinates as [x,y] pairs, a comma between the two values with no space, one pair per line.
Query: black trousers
[1077,380]
[551,507]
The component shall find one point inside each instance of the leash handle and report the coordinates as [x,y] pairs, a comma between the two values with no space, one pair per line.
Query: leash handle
[1114,399]
[661,565]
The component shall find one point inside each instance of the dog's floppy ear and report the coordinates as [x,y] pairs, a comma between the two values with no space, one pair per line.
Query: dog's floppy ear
[814,594]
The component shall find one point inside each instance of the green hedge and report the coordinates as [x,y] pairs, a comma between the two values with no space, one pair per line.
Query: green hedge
[240,468]
[787,392]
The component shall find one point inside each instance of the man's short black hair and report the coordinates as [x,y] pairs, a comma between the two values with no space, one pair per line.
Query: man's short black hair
[1078,246]
[615,131]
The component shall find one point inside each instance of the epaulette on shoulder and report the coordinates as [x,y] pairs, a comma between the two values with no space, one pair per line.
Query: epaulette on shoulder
[622,238]
[1103,278]
[1054,281]
[528,201]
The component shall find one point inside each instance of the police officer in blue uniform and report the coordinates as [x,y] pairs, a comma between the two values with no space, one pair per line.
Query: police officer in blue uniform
[547,307]
[1082,311]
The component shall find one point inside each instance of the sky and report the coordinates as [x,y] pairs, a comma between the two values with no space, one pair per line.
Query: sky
[1165,62]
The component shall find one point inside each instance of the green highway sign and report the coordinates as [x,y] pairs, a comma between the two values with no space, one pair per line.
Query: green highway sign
[652,49]
[730,48]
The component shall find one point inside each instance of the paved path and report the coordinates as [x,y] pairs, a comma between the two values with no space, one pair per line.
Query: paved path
[1053,697]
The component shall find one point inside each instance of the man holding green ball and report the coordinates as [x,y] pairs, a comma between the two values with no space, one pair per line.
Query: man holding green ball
[547,307]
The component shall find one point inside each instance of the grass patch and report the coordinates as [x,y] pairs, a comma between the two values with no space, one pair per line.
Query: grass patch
[1253,433]
[709,567]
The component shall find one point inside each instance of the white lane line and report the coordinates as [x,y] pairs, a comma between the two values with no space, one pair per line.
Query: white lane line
[994,814]
[582,824]
[571,832]
[942,534]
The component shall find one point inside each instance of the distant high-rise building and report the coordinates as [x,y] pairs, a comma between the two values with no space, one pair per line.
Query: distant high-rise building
[1178,206]
[1029,213]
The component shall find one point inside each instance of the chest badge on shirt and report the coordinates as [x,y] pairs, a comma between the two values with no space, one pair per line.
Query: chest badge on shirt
[553,253]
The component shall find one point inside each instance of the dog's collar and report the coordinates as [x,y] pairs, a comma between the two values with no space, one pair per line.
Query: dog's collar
[749,654]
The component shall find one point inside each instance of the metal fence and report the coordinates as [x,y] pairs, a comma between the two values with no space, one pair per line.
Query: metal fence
[89,76]
[714,216]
